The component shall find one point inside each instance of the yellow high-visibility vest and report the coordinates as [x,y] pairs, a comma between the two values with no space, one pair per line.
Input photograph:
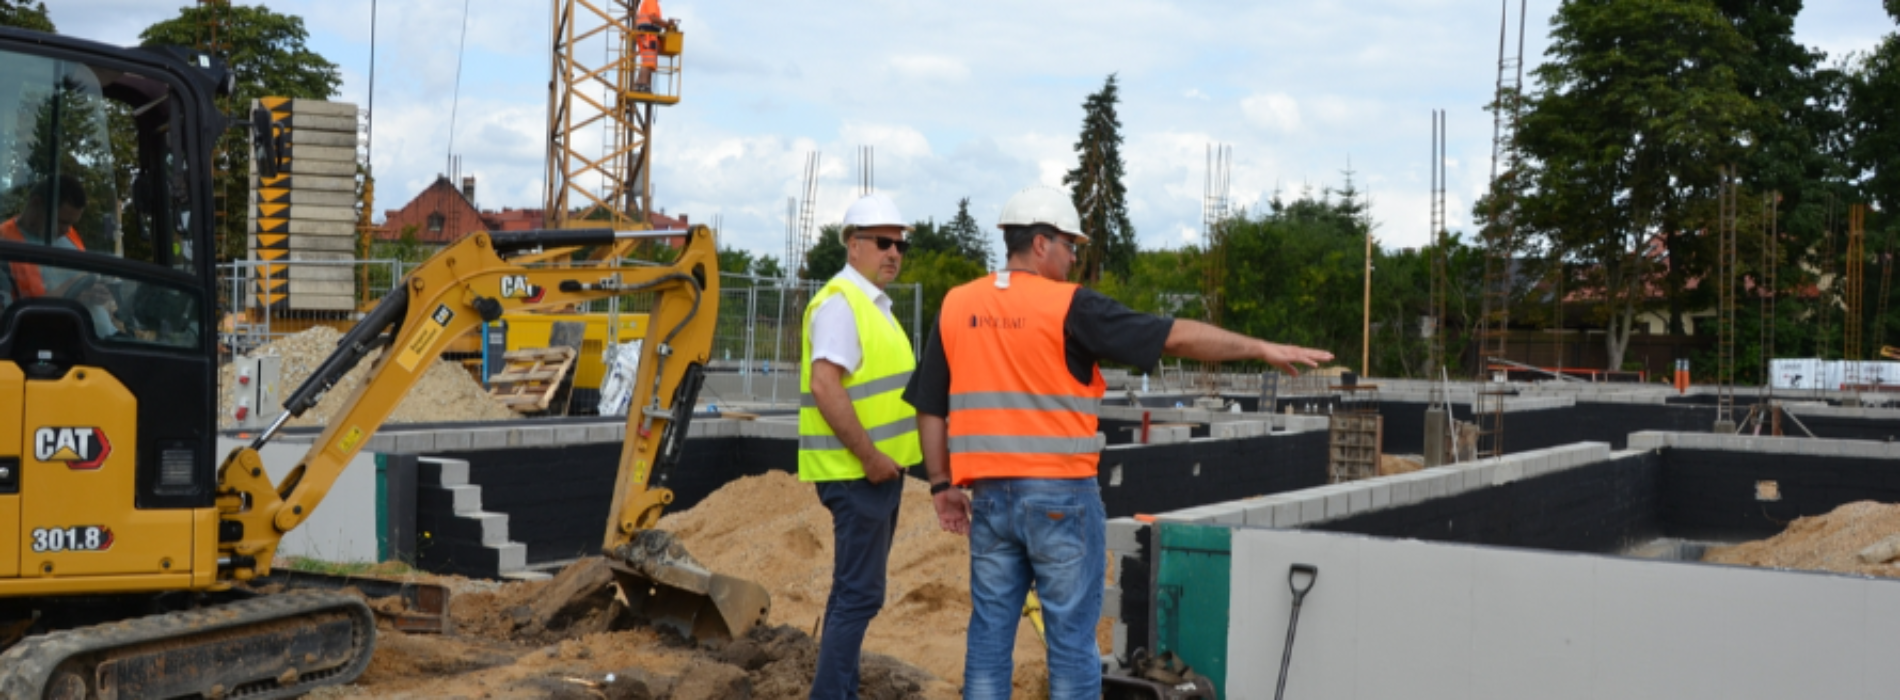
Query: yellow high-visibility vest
[876,391]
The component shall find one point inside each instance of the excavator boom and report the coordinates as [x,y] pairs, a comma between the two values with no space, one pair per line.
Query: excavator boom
[454,292]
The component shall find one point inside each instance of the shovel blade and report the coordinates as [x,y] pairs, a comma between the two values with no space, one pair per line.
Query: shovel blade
[666,586]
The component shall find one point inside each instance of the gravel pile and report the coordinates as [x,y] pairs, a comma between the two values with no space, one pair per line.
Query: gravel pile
[445,393]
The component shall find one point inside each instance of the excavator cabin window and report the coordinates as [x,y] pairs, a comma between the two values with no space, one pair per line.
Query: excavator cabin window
[94,206]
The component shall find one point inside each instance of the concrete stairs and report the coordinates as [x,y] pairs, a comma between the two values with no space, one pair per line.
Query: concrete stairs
[455,535]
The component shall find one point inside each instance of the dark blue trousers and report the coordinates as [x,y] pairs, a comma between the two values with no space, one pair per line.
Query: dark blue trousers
[863,520]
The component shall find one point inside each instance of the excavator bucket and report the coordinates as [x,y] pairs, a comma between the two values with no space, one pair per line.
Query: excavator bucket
[665,585]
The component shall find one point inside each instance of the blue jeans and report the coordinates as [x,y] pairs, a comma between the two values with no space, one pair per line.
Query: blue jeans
[1050,532]
[863,520]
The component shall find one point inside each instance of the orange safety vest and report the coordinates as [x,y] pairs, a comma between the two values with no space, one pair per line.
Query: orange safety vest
[648,44]
[1015,410]
[26,276]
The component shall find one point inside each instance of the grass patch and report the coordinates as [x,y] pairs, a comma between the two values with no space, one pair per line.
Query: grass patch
[357,568]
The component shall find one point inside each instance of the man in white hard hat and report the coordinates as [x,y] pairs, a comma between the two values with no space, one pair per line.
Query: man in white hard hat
[1006,398]
[855,433]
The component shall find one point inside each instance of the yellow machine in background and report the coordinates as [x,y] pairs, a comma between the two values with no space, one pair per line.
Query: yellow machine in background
[525,331]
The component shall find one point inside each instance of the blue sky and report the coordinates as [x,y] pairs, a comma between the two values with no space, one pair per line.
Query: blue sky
[973,99]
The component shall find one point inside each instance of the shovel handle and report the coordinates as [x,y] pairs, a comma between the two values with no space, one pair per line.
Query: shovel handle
[1293,580]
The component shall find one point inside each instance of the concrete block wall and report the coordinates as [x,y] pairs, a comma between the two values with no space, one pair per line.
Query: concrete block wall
[1313,506]
[1392,618]
[1712,485]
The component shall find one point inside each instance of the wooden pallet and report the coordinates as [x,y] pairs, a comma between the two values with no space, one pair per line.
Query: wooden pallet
[530,377]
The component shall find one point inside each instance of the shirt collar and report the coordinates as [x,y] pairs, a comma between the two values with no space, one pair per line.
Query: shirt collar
[870,290]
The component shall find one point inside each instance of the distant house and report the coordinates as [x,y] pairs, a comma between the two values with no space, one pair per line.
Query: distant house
[443,213]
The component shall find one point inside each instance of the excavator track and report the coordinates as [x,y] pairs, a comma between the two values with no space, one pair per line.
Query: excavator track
[273,646]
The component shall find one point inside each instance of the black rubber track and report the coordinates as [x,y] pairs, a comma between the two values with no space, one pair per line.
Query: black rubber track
[28,666]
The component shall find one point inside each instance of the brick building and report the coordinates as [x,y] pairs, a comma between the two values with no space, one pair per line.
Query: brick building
[443,213]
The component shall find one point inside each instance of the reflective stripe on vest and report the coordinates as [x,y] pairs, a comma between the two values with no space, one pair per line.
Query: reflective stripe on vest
[875,391]
[895,382]
[1016,411]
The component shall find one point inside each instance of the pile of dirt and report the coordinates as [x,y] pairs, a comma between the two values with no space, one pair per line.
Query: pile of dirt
[565,638]
[1830,542]
[1390,465]
[772,529]
[444,393]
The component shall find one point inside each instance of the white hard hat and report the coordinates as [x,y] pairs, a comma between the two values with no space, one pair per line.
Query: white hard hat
[873,210]
[1042,204]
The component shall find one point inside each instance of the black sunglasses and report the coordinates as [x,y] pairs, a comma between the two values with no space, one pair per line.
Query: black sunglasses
[883,243]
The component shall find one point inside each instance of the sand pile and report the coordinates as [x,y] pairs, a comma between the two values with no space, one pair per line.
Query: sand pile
[1830,542]
[444,393]
[772,530]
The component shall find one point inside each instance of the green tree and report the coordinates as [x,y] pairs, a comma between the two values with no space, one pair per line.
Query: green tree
[768,267]
[826,256]
[266,52]
[1296,272]
[926,237]
[1632,117]
[25,14]
[1161,282]
[1096,185]
[968,236]
[733,261]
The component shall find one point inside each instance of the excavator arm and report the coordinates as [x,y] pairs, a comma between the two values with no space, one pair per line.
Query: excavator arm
[455,291]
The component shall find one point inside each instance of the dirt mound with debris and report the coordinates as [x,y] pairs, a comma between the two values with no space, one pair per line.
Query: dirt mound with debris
[772,529]
[445,392]
[565,638]
[1831,542]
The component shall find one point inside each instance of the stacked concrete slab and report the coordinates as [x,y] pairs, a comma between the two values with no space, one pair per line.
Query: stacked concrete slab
[307,213]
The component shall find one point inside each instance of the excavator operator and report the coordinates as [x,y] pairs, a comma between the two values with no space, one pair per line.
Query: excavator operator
[67,198]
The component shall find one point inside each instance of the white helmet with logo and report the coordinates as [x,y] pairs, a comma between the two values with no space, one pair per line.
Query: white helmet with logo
[1042,204]
[871,211]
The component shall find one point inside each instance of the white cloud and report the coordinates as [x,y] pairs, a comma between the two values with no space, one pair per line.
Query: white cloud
[1274,111]
[1297,90]
[937,68]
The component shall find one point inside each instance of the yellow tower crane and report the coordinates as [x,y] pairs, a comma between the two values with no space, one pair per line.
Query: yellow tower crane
[609,185]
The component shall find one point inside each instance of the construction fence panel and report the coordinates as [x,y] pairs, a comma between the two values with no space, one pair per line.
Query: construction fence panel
[757,329]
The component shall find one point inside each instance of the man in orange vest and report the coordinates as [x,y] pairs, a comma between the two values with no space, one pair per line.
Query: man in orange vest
[67,198]
[1006,394]
[647,19]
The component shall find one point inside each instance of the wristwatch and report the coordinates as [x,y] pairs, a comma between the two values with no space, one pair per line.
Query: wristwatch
[939,487]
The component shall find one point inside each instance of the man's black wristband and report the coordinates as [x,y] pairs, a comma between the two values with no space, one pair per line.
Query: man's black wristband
[939,487]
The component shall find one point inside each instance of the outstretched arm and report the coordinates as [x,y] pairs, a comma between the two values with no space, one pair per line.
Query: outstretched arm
[1200,341]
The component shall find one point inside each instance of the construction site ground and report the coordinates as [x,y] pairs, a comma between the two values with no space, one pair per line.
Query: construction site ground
[555,639]
[510,641]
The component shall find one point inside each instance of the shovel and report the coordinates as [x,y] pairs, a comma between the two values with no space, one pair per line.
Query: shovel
[1299,596]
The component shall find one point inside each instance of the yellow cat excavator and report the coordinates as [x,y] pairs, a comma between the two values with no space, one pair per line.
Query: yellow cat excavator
[123,541]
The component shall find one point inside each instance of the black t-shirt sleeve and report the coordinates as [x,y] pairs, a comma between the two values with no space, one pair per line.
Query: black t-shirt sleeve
[1100,328]
[929,387]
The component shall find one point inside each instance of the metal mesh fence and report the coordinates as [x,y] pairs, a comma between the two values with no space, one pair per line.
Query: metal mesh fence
[757,328]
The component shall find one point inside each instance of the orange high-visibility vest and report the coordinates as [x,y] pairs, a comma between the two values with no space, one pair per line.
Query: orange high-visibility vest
[1015,410]
[26,276]
[649,45]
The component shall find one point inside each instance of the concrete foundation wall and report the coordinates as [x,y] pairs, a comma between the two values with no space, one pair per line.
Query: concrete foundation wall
[343,528]
[1398,618]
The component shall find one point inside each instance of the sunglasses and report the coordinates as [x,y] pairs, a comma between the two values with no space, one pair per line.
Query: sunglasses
[883,243]
[1062,240]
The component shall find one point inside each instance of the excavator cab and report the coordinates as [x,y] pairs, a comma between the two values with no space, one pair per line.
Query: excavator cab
[107,303]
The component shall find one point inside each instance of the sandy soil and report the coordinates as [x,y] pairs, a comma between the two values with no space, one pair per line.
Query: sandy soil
[445,392]
[516,640]
[1830,542]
